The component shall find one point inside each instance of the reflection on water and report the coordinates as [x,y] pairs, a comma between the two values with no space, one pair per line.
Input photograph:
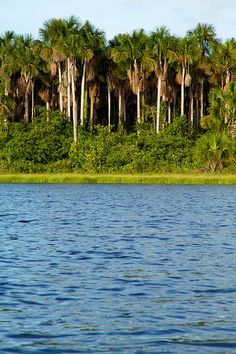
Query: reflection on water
[117,269]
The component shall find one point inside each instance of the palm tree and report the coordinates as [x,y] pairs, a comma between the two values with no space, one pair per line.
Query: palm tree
[185,52]
[25,62]
[63,36]
[7,68]
[214,150]
[6,103]
[223,62]
[91,47]
[7,42]
[161,43]
[117,82]
[131,50]
[71,47]
[222,110]
[52,30]
[54,60]
[205,37]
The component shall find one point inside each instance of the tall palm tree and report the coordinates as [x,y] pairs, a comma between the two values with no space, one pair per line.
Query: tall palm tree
[63,36]
[131,50]
[185,52]
[7,68]
[70,46]
[117,82]
[205,37]
[91,46]
[71,49]
[161,43]
[26,64]
[50,34]
[54,60]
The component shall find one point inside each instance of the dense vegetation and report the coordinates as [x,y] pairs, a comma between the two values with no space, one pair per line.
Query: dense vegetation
[71,101]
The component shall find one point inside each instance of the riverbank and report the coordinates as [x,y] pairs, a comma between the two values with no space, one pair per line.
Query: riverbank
[82,178]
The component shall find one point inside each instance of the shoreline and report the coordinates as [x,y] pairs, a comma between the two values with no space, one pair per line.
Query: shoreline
[90,178]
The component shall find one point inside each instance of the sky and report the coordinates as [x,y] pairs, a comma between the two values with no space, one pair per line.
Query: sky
[121,16]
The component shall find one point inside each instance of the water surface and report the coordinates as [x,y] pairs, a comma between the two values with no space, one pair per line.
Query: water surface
[117,269]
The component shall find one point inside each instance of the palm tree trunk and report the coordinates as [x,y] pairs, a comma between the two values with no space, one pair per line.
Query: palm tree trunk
[119,108]
[6,89]
[169,112]
[91,113]
[60,88]
[47,110]
[197,114]
[26,115]
[82,95]
[174,106]
[32,100]
[124,106]
[142,107]
[182,92]
[123,109]
[136,76]
[158,104]
[191,110]
[138,106]
[202,99]
[109,107]
[74,104]
[86,103]
[68,87]
[226,120]
[227,77]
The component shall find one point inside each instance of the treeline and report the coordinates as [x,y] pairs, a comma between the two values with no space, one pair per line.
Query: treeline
[71,100]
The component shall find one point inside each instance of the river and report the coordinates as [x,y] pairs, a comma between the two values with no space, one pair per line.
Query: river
[117,269]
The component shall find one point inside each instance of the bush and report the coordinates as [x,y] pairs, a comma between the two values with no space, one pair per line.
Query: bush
[136,152]
[215,150]
[39,143]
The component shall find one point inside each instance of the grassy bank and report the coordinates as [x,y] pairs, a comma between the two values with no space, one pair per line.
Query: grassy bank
[119,178]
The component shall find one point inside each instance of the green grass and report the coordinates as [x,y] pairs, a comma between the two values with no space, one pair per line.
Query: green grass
[82,178]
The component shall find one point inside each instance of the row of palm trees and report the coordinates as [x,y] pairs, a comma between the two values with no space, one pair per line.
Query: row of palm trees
[72,68]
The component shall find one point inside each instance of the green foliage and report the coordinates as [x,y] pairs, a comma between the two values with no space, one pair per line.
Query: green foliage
[214,150]
[46,145]
[222,108]
[179,127]
[92,150]
[6,103]
[149,115]
[4,133]
[45,140]
[137,152]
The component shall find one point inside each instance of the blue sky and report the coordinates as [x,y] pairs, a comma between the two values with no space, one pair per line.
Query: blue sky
[120,16]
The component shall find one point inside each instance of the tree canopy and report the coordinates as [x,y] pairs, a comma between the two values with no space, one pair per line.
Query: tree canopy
[134,83]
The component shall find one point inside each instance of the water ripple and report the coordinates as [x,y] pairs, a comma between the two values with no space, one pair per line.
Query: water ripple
[117,269]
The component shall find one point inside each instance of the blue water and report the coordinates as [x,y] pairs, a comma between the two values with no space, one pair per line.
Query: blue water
[117,269]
